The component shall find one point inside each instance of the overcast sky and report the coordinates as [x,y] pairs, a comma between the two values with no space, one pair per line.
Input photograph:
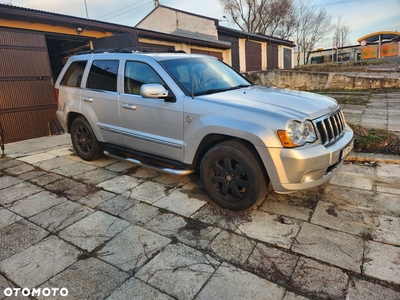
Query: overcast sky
[362,16]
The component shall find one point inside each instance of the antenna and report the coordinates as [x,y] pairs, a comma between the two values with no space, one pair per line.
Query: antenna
[87,14]
[156,3]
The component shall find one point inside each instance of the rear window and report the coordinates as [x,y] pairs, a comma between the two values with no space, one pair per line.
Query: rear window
[103,75]
[73,76]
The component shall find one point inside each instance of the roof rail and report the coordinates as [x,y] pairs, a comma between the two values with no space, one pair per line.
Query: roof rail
[130,50]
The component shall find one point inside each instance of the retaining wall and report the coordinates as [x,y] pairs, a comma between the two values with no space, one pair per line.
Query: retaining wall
[300,80]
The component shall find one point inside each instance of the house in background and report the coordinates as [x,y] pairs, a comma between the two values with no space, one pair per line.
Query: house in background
[248,52]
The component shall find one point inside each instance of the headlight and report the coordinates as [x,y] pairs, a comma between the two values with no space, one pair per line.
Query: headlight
[297,134]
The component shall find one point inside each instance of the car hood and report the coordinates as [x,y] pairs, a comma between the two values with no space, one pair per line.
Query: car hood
[293,104]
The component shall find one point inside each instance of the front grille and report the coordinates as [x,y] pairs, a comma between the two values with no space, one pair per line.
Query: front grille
[330,128]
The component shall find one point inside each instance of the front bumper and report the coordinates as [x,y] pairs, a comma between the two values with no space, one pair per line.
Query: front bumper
[290,170]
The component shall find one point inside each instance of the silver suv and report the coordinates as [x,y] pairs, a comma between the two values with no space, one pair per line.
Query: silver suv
[182,113]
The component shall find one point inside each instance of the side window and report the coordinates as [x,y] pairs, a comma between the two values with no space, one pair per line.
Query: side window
[138,73]
[73,76]
[103,75]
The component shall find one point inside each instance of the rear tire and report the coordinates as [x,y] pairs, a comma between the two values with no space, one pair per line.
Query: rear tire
[84,141]
[232,176]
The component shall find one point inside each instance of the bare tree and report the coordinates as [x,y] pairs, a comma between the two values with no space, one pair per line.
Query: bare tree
[342,32]
[270,17]
[312,26]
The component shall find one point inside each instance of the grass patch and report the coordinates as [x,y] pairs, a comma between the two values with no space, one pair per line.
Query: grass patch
[375,141]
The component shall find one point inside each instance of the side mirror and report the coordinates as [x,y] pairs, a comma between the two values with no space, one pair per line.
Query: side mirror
[153,90]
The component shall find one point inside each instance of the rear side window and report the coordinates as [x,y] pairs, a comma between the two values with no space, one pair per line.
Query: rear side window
[73,76]
[103,75]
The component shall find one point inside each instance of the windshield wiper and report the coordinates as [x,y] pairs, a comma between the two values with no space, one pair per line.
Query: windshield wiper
[212,91]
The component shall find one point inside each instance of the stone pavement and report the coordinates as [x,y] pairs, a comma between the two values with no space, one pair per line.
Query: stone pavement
[110,229]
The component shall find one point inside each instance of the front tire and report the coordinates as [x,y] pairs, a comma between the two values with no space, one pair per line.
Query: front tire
[84,141]
[232,176]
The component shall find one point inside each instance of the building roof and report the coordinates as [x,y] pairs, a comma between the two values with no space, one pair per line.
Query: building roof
[256,36]
[383,35]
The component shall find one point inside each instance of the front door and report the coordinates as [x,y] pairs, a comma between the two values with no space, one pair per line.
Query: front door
[149,125]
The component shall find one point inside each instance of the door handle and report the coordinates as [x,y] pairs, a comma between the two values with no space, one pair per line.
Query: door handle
[128,106]
[87,99]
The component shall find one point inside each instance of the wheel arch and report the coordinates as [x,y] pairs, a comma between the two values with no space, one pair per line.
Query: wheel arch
[211,140]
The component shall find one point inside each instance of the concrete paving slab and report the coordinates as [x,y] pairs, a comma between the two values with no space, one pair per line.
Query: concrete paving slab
[62,151]
[388,230]
[286,208]
[87,279]
[382,261]
[96,198]
[150,192]
[387,204]
[179,271]
[7,181]
[273,263]
[214,215]
[46,179]
[95,176]
[320,281]
[61,186]
[17,192]
[387,189]
[166,224]
[361,289]
[197,234]
[73,170]
[358,181]
[120,166]
[18,236]
[336,248]
[40,262]
[8,217]
[138,290]
[93,230]
[3,285]
[349,219]
[183,202]
[35,158]
[230,282]
[175,180]
[79,191]
[53,163]
[19,169]
[144,173]
[120,185]
[232,247]
[31,175]
[293,296]
[388,172]
[116,205]
[37,145]
[58,217]
[32,205]
[132,248]
[6,163]
[270,228]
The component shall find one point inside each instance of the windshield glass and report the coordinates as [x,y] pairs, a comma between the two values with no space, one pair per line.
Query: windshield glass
[203,75]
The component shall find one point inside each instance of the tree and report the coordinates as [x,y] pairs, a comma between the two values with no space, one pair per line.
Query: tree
[342,31]
[312,26]
[271,17]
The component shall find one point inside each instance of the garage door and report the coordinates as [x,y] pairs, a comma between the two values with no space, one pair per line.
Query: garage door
[272,57]
[212,53]
[253,56]
[27,101]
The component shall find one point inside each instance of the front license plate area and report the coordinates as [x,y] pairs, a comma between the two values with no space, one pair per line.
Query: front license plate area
[346,150]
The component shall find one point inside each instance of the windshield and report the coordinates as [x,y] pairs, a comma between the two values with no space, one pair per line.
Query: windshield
[203,75]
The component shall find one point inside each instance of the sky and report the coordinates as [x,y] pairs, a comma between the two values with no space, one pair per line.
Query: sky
[361,16]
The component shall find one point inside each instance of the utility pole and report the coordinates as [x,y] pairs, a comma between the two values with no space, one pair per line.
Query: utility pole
[156,3]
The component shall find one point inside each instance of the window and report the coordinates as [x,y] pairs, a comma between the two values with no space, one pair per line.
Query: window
[103,75]
[136,74]
[73,76]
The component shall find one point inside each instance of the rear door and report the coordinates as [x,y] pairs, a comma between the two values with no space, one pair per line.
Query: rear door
[149,125]
[99,99]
